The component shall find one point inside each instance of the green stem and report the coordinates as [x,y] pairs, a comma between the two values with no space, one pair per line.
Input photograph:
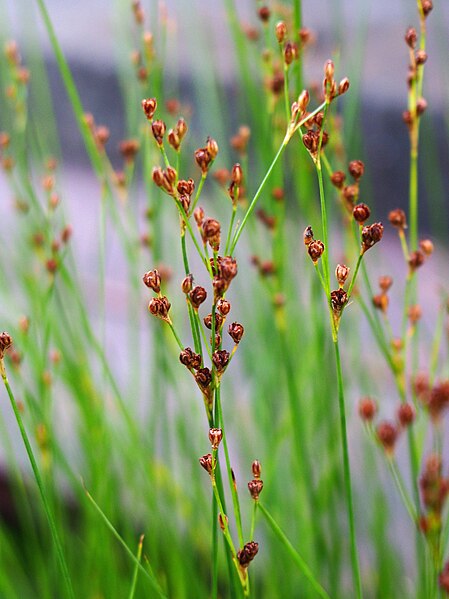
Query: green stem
[40,484]
[136,569]
[347,476]
[293,553]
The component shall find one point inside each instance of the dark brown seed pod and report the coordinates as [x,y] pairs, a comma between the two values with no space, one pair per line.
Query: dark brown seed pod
[339,298]
[190,359]
[361,213]
[203,377]
[256,468]
[187,284]
[5,343]
[411,37]
[220,359]
[415,260]
[381,302]
[264,14]
[356,169]
[208,321]
[203,159]
[255,488]
[338,179]
[129,148]
[237,174]
[398,219]
[315,250]
[387,434]
[308,236]
[281,31]
[427,6]
[215,437]
[197,296]
[149,106]
[186,187]
[246,555]
[343,86]
[367,409]
[438,401]
[406,414]
[159,306]
[198,215]
[341,274]
[224,307]
[385,282]
[421,57]
[211,233]
[236,331]
[206,462]
[371,235]
[158,128]
[152,279]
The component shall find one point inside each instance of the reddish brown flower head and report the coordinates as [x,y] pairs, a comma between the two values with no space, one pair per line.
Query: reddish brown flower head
[380,302]
[149,106]
[256,468]
[281,31]
[246,555]
[220,359]
[264,14]
[315,249]
[215,437]
[398,219]
[356,169]
[152,279]
[411,37]
[255,488]
[203,159]
[371,235]
[198,215]
[186,187]
[208,321]
[414,313]
[438,401]
[361,213]
[206,462]
[341,274]
[406,414]
[190,359]
[387,435]
[427,6]
[367,409]
[236,331]
[187,284]
[434,488]
[197,296]
[426,246]
[5,343]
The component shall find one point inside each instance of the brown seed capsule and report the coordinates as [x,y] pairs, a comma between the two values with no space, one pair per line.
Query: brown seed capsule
[361,213]
[173,139]
[411,37]
[159,306]
[246,555]
[338,179]
[421,106]
[212,147]
[256,468]
[128,149]
[224,307]
[343,86]
[264,14]
[208,321]
[356,169]
[203,377]
[281,31]
[220,359]
[367,409]
[415,260]
[290,53]
[329,70]
[206,462]
[237,174]
[236,331]
[414,314]
[341,274]
[190,359]
[149,106]
[185,187]
[381,302]
[387,435]
[197,296]
[385,282]
[339,298]
[187,284]
[211,233]
[5,343]
[158,128]
[308,236]
[315,250]
[371,235]
[421,57]
[203,159]
[398,219]
[406,414]
[215,437]
[426,246]
[438,401]
[198,215]
[427,6]
[255,488]
[152,279]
